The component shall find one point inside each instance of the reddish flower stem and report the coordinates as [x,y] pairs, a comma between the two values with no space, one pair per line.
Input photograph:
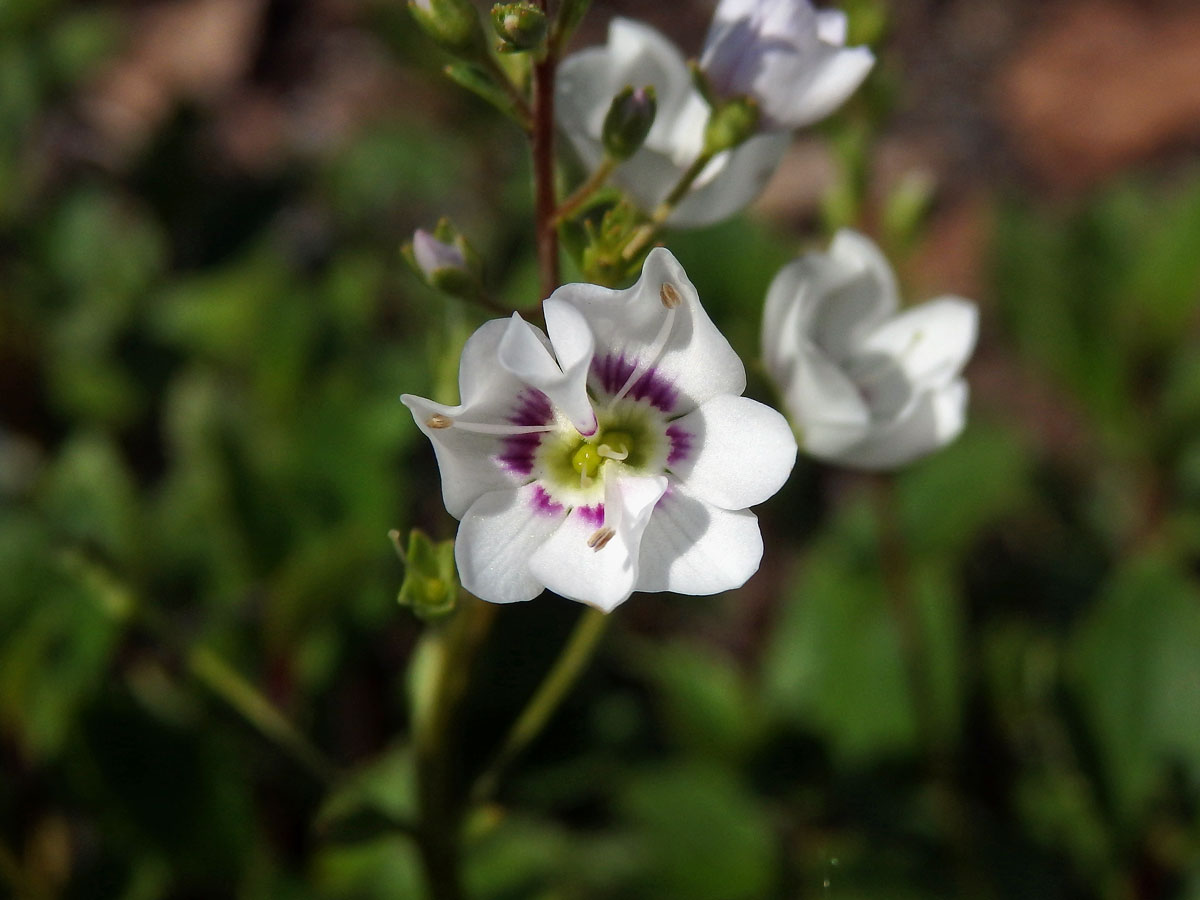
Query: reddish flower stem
[545,200]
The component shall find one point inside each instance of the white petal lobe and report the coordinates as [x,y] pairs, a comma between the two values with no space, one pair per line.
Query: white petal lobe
[742,452]
[497,537]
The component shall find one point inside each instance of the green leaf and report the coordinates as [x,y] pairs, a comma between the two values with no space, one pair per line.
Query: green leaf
[1135,667]
[702,835]
[948,499]
[708,704]
[835,664]
[377,799]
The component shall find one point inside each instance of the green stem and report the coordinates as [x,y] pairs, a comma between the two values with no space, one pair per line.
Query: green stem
[520,104]
[454,648]
[595,181]
[240,695]
[220,678]
[644,235]
[949,807]
[579,649]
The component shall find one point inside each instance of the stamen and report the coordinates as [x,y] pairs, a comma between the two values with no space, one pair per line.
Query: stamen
[650,358]
[669,296]
[439,421]
[609,453]
[600,538]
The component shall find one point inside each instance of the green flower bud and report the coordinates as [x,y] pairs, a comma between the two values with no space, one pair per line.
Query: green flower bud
[454,24]
[521,26]
[430,586]
[628,121]
[730,124]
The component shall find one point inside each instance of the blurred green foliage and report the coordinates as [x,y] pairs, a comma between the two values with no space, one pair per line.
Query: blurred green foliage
[979,678]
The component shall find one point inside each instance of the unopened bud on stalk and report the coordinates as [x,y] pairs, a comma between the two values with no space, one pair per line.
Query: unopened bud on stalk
[730,124]
[445,261]
[520,26]
[430,586]
[454,24]
[629,120]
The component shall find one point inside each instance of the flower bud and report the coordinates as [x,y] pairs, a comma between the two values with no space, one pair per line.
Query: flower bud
[445,261]
[730,124]
[454,24]
[430,586]
[521,26]
[628,121]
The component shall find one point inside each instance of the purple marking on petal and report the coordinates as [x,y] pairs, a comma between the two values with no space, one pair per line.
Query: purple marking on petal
[543,504]
[681,444]
[613,371]
[532,408]
[517,455]
[593,515]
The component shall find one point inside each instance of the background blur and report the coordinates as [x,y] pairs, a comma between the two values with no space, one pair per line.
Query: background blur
[978,679]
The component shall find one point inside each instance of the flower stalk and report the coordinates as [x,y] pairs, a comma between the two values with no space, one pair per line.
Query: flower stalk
[575,656]
[542,147]
[595,181]
[645,235]
[450,651]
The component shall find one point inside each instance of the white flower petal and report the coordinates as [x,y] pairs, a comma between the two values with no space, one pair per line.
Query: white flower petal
[931,342]
[524,353]
[787,56]
[469,462]
[696,359]
[865,296]
[832,300]
[636,56]
[606,576]
[827,408]
[935,420]
[833,75]
[693,547]
[741,451]
[497,537]
[832,26]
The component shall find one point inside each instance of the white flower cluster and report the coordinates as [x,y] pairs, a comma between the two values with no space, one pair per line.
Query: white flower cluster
[614,452]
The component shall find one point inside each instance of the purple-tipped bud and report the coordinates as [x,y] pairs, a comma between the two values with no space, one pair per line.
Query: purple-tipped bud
[433,256]
[445,261]
[628,121]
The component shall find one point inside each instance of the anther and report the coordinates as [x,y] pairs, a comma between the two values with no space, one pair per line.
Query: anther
[600,538]
[437,420]
[669,296]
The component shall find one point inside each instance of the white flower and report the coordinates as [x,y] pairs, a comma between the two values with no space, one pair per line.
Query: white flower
[788,56]
[866,385]
[614,454]
[638,56]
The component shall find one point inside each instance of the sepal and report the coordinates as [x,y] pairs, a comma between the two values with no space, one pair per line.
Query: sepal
[521,27]
[430,587]
[453,24]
